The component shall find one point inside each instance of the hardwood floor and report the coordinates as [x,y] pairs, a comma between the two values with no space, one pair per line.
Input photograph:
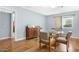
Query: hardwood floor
[5,45]
[75,44]
[25,45]
[32,45]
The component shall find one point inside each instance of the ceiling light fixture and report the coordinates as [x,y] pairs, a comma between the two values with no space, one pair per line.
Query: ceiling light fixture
[57,6]
[53,6]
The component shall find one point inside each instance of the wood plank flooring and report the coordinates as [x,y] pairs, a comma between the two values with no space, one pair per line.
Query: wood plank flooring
[5,45]
[32,45]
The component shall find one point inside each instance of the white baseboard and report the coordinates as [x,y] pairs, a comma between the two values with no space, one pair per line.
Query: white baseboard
[75,37]
[3,38]
[25,38]
[20,39]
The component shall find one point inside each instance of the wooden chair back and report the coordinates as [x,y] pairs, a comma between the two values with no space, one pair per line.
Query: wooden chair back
[44,35]
[68,35]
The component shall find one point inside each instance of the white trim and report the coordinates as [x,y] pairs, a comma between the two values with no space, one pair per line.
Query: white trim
[6,10]
[75,37]
[25,38]
[3,38]
[12,20]
[20,39]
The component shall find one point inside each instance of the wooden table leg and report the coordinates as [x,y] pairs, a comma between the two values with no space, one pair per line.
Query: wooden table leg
[49,45]
[67,46]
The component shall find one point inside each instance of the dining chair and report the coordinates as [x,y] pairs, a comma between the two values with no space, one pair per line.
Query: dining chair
[47,40]
[64,40]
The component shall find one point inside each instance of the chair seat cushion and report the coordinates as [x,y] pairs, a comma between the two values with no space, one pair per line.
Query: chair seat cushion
[61,40]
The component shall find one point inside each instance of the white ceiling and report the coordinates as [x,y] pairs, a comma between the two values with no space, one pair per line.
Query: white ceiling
[49,10]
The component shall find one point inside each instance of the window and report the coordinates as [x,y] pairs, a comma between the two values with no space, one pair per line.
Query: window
[67,21]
